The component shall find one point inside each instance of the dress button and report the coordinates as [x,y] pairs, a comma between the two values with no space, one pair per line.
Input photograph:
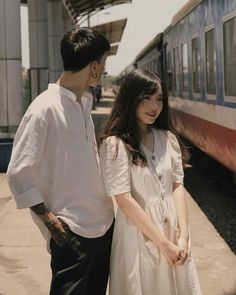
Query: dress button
[166,219]
[153,157]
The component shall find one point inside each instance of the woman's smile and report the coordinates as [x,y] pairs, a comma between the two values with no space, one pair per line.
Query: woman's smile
[151,114]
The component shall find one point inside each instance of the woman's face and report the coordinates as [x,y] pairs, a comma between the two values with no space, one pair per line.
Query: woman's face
[150,108]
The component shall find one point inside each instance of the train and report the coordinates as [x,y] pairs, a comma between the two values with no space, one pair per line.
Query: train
[196,57]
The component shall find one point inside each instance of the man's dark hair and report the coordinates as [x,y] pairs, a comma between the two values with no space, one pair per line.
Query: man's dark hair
[81,46]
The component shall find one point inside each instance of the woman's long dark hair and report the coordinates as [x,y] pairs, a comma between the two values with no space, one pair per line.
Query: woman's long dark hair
[122,122]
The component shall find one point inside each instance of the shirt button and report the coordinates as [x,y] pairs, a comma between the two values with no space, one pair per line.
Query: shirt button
[166,219]
[153,157]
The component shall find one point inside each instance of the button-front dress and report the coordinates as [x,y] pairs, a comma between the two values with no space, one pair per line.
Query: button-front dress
[137,265]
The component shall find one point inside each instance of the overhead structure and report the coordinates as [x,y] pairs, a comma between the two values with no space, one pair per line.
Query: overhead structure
[112,30]
[113,50]
[79,9]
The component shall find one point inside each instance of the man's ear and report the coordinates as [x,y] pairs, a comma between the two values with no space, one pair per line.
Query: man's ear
[93,68]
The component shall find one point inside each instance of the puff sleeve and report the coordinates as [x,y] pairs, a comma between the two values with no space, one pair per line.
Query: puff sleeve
[176,159]
[115,166]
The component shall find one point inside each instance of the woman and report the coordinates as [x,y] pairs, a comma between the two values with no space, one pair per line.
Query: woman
[142,168]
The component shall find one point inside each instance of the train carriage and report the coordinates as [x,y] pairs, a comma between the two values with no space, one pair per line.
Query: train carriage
[201,56]
[196,55]
[151,57]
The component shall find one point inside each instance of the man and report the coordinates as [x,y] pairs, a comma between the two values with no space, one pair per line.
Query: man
[54,170]
[98,92]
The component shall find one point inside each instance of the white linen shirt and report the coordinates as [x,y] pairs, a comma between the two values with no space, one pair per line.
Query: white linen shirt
[55,161]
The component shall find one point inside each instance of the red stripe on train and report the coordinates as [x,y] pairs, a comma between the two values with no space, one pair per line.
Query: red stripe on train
[216,140]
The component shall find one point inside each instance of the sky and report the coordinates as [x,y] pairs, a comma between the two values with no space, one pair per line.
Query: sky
[146,19]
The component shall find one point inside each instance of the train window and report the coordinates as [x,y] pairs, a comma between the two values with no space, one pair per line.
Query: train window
[176,70]
[196,64]
[210,61]
[230,56]
[185,66]
[169,66]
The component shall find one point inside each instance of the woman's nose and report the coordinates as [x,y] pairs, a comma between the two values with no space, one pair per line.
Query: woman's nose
[154,104]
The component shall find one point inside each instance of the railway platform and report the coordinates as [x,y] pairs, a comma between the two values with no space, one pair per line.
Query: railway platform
[25,263]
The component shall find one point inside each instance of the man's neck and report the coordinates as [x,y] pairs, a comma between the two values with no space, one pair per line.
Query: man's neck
[75,82]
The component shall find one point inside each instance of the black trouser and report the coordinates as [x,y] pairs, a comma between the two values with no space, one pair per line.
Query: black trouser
[81,266]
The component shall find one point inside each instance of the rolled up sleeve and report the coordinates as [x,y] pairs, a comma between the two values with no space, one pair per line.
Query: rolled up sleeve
[27,151]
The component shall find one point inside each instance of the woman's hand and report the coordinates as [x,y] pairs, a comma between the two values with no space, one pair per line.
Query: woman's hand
[172,252]
[183,245]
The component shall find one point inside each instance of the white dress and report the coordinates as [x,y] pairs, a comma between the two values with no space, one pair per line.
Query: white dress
[137,265]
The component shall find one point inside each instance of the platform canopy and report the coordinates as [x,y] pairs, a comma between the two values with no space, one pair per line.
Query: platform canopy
[81,8]
[113,50]
[112,30]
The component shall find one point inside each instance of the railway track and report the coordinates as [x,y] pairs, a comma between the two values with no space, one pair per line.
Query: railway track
[211,186]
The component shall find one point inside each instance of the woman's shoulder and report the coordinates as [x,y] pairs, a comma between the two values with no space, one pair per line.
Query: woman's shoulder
[111,140]
[171,136]
[166,135]
[174,142]
[112,144]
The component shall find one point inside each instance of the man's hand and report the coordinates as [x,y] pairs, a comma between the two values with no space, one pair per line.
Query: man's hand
[58,229]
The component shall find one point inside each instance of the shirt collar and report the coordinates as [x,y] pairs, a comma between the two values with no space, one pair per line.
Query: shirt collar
[62,91]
